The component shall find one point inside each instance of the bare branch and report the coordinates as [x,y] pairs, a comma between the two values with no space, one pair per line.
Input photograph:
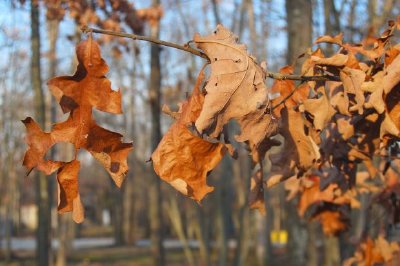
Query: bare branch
[185,48]
[193,51]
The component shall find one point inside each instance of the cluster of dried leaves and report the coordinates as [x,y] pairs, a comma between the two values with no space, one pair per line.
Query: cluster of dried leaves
[330,128]
[333,129]
[113,15]
[375,252]
[235,90]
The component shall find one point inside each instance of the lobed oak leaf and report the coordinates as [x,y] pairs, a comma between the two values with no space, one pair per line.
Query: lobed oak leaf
[392,75]
[375,82]
[256,195]
[324,206]
[307,155]
[330,39]
[337,60]
[332,222]
[183,159]
[320,109]
[352,81]
[391,54]
[345,127]
[313,195]
[234,90]
[289,94]
[388,127]
[78,94]
[39,143]
[376,101]
[68,191]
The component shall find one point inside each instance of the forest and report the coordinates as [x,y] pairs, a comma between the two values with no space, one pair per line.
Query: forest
[209,132]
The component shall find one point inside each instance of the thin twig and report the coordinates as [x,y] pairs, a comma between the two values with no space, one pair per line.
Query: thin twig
[185,48]
[280,76]
[193,51]
[284,99]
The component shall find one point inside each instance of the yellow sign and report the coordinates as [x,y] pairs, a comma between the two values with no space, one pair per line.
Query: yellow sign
[279,237]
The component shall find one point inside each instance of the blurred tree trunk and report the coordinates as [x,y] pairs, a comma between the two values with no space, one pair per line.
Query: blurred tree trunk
[264,250]
[299,29]
[332,22]
[117,213]
[376,20]
[331,16]
[351,20]
[252,27]
[156,222]
[130,128]
[201,231]
[242,18]
[216,12]
[332,251]
[297,236]
[312,239]
[224,176]
[53,24]
[242,173]
[42,186]
[9,171]
[176,221]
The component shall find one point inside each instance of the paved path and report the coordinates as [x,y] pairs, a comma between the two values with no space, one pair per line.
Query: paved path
[29,244]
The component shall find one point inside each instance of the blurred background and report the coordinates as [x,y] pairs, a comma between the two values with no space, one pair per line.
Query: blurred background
[126,226]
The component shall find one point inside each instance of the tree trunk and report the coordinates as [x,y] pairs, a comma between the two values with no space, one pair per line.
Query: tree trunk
[332,251]
[299,29]
[312,254]
[376,20]
[176,221]
[241,170]
[52,33]
[215,11]
[201,231]
[332,23]
[156,223]
[117,214]
[42,187]
[224,175]
[252,28]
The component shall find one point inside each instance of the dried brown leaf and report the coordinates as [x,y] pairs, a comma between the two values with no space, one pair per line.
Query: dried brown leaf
[235,90]
[78,94]
[329,39]
[256,195]
[184,159]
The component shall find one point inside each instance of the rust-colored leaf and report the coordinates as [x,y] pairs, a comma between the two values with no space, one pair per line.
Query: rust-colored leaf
[332,222]
[183,159]
[88,88]
[256,195]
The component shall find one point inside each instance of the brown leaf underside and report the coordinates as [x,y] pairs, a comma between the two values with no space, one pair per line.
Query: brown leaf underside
[183,159]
